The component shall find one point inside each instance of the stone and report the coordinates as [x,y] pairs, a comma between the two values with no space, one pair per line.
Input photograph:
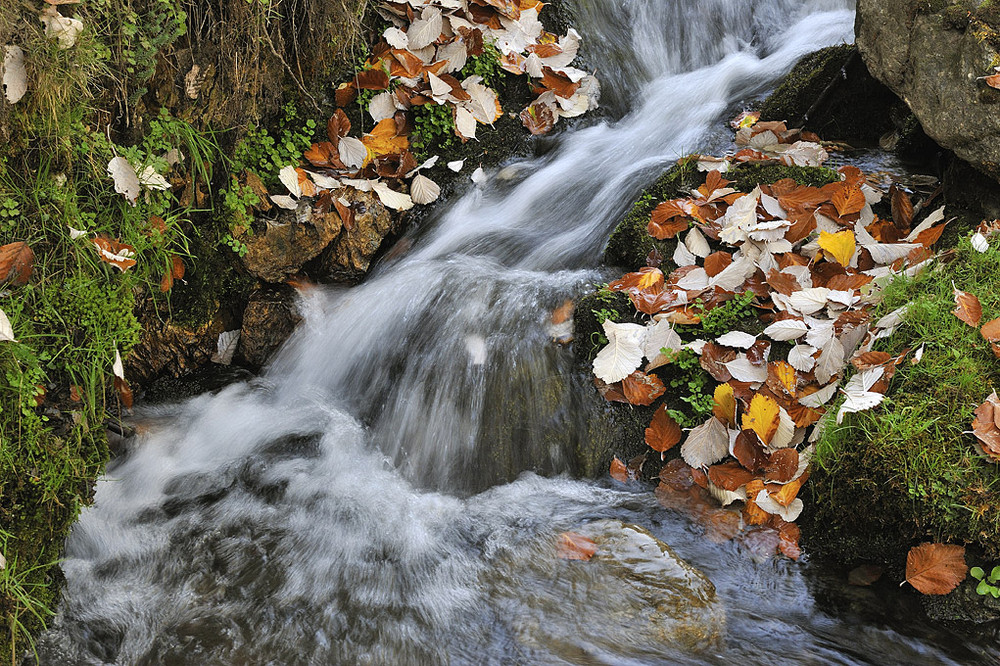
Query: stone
[635,592]
[934,60]
[170,349]
[270,318]
[291,240]
[350,256]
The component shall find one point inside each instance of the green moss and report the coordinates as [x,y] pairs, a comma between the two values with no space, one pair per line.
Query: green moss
[908,470]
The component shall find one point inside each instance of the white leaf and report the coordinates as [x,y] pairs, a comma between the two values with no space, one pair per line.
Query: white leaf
[979,242]
[226,347]
[882,253]
[60,27]
[737,339]
[483,103]
[152,180]
[683,257]
[858,402]
[929,222]
[786,329]
[727,497]
[465,123]
[6,329]
[623,353]
[801,358]
[695,241]
[830,361]
[76,233]
[808,301]
[694,280]
[126,181]
[284,201]
[352,152]
[381,107]
[743,371]
[820,331]
[734,275]
[894,318]
[772,206]
[391,198]
[706,445]
[431,161]
[820,397]
[15,76]
[290,179]
[788,514]
[118,368]
[425,30]
[478,176]
[660,335]
[456,166]
[785,434]
[423,190]
[438,87]
[396,38]
[323,181]
[456,53]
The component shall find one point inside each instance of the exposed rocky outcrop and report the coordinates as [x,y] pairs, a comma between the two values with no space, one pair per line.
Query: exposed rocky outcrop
[167,348]
[269,319]
[933,55]
[289,241]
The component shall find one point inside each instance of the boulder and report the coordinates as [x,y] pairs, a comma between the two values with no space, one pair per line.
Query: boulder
[933,55]
[270,317]
[290,241]
[351,254]
[171,349]
[635,592]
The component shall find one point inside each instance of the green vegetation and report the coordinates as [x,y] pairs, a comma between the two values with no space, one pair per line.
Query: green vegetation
[691,389]
[734,315]
[987,584]
[433,129]
[265,154]
[907,468]
[486,65]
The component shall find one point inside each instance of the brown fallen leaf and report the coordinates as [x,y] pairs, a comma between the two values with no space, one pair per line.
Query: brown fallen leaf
[663,432]
[642,389]
[573,546]
[936,568]
[865,575]
[16,263]
[991,330]
[618,471]
[986,427]
[967,307]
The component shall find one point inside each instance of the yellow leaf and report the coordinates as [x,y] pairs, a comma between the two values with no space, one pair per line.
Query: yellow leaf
[650,279]
[725,404]
[840,245]
[785,374]
[762,417]
[382,140]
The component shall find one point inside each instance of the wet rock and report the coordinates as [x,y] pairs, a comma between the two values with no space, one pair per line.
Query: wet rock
[932,55]
[962,605]
[171,349]
[270,317]
[634,591]
[290,241]
[349,257]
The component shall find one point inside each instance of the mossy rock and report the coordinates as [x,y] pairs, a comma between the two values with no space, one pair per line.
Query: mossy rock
[830,92]
[907,470]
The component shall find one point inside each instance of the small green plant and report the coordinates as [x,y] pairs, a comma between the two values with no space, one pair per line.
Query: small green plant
[692,385]
[987,584]
[19,587]
[726,317]
[433,125]
[486,65]
[266,154]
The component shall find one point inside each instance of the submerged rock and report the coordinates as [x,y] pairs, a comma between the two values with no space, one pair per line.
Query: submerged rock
[634,591]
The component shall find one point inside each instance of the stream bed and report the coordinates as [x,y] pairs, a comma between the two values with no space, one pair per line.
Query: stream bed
[366,500]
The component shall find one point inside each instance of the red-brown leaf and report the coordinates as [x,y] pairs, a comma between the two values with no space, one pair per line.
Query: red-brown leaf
[642,389]
[991,330]
[663,432]
[936,568]
[618,471]
[782,465]
[848,200]
[967,307]
[729,475]
[16,263]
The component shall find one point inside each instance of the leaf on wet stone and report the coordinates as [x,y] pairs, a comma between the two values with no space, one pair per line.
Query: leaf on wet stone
[391,198]
[663,432]
[226,347]
[936,568]
[642,389]
[423,190]
[706,444]
[623,354]
[618,471]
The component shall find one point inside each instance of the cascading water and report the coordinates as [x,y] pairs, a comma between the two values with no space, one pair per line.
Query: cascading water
[324,514]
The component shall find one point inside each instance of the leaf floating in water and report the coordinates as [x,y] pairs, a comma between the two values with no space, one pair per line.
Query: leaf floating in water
[865,575]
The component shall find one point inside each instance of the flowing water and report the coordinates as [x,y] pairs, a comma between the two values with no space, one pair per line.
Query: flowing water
[357,504]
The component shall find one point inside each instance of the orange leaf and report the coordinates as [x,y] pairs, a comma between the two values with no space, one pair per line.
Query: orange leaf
[663,432]
[717,262]
[762,417]
[781,375]
[848,200]
[729,475]
[993,80]
[902,207]
[840,245]
[991,330]
[936,568]
[338,126]
[618,471]
[538,118]
[642,389]
[986,426]
[788,540]
[16,263]
[371,79]
[124,392]
[117,254]
[788,492]
[383,140]
[968,307]
[573,546]
[753,514]
[646,279]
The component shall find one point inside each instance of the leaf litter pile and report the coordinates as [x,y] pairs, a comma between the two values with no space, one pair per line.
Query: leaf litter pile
[815,260]
[415,64]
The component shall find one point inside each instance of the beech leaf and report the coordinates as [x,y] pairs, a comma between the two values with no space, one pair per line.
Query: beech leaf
[706,444]
[423,190]
[226,347]
[623,354]
[936,568]
[967,307]
[6,329]
[663,432]
[573,546]
[15,76]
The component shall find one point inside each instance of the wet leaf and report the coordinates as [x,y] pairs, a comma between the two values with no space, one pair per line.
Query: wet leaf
[623,353]
[936,568]
[750,452]
[729,475]
[782,466]
[865,575]
[618,471]
[573,546]
[762,417]
[642,389]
